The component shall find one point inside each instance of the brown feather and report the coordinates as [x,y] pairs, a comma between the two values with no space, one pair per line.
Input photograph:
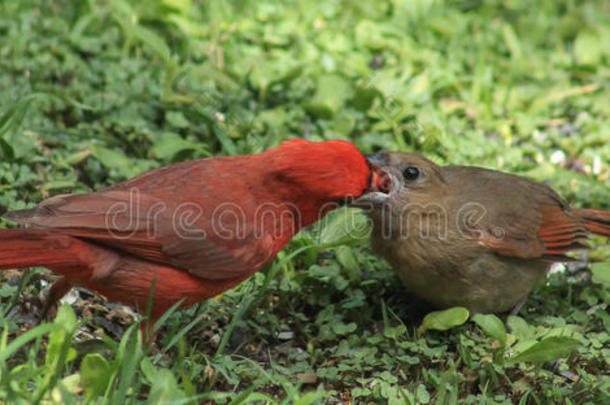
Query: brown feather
[503,232]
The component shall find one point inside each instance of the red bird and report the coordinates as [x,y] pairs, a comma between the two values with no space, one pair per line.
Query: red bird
[197,228]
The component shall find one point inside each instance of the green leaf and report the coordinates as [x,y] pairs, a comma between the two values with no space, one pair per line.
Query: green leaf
[70,383]
[347,259]
[23,143]
[177,119]
[170,145]
[310,398]
[444,320]
[364,97]
[14,116]
[128,19]
[165,388]
[95,374]
[148,369]
[520,328]
[341,328]
[78,157]
[113,159]
[588,47]
[267,72]
[422,394]
[331,93]
[492,326]
[343,226]
[243,396]
[12,143]
[512,41]
[181,6]
[549,349]
[58,337]
[8,153]
[58,184]
[601,273]
[378,36]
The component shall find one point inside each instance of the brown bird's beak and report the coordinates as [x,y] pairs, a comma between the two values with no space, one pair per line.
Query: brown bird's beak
[379,187]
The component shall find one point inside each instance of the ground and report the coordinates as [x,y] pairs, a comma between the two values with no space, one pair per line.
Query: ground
[95,92]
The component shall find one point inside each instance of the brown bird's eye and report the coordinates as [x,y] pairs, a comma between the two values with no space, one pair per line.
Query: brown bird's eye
[411,173]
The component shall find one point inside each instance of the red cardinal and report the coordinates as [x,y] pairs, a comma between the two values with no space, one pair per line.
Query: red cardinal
[198,228]
[467,236]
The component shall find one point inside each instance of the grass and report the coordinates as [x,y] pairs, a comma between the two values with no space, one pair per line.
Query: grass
[94,92]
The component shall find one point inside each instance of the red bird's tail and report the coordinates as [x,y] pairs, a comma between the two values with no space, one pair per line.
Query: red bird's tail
[596,221]
[36,247]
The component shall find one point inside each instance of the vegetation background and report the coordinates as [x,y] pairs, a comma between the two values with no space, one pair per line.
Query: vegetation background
[94,92]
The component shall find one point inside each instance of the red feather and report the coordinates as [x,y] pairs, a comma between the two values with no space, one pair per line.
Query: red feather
[198,227]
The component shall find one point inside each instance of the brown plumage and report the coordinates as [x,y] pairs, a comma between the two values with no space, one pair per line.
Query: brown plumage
[469,236]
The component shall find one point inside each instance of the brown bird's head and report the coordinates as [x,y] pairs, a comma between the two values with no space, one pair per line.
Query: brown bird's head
[404,177]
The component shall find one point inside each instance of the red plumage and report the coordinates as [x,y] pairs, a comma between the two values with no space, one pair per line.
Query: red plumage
[199,227]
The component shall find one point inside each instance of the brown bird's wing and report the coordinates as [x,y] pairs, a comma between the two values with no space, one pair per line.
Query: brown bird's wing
[523,218]
[596,221]
[556,233]
[146,227]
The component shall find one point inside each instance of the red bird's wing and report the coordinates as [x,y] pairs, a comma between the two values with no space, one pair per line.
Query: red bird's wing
[146,227]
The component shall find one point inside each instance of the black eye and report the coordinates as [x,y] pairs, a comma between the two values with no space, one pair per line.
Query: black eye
[411,173]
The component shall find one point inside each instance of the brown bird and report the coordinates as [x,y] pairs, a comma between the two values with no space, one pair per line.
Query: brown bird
[468,236]
[195,228]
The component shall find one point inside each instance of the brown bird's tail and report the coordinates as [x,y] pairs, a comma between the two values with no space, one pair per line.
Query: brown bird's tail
[596,221]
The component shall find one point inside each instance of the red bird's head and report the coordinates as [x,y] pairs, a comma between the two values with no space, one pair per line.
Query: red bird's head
[325,171]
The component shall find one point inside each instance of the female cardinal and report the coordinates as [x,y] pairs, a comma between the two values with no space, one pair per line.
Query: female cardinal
[196,228]
[472,237]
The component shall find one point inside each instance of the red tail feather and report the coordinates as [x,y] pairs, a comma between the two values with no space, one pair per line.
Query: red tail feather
[596,221]
[35,247]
